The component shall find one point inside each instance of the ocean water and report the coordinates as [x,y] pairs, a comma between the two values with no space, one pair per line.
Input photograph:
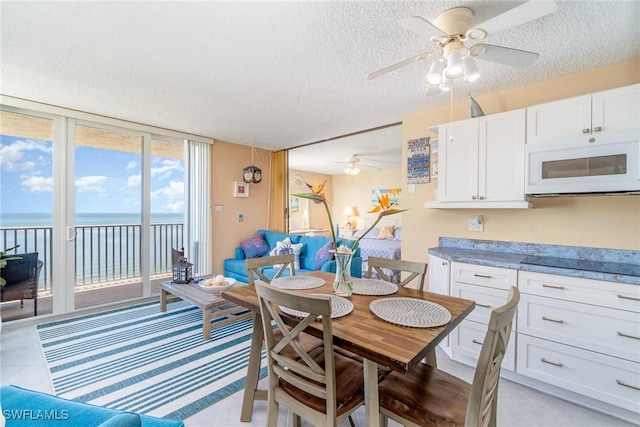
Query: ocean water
[46,219]
[107,245]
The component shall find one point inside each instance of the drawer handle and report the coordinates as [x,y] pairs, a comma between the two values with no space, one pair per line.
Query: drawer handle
[483,305]
[626,297]
[622,334]
[587,130]
[477,342]
[597,129]
[484,276]
[558,364]
[554,320]
[627,385]
[544,285]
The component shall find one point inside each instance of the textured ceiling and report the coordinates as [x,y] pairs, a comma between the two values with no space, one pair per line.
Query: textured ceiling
[275,74]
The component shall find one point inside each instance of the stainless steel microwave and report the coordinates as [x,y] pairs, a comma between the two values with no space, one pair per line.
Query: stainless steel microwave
[606,165]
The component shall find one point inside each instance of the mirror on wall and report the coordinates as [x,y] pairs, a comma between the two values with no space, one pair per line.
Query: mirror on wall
[351,166]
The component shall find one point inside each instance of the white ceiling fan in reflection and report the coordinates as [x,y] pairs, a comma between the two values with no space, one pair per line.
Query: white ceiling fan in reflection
[453,29]
[355,160]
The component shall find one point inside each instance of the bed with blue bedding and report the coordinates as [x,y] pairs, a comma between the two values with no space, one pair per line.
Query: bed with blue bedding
[377,244]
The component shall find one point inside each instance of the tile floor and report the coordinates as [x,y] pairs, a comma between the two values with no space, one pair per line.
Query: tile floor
[21,363]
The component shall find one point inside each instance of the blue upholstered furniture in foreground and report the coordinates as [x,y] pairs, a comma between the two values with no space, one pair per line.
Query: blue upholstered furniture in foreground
[22,407]
[235,267]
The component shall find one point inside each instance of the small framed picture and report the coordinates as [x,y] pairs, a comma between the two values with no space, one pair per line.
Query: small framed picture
[240,189]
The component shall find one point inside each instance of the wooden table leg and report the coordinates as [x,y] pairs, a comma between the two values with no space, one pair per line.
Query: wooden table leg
[163,300]
[371,404]
[206,324]
[253,370]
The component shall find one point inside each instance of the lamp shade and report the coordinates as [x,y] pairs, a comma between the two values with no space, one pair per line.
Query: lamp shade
[454,65]
[348,211]
[471,71]
[352,170]
[435,73]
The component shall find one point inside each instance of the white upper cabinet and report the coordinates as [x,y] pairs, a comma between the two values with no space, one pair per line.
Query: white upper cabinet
[578,119]
[481,162]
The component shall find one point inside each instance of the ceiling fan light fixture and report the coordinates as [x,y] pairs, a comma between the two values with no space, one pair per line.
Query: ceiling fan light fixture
[351,170]
[471,70]
[454,65]
[445,85]
[434,77]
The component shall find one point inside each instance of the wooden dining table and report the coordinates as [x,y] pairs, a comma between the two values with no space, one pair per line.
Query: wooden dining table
[361,332]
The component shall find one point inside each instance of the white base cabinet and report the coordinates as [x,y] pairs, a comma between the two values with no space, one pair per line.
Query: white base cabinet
[572,337]
[439,277]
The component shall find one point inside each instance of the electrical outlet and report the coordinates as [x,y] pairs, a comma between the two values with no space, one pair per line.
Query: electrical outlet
[476,223]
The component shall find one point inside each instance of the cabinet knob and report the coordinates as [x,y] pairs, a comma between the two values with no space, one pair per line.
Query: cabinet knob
[481,197]
[592,140]
[586,130]
[473,197]
[597,129]
[444,262]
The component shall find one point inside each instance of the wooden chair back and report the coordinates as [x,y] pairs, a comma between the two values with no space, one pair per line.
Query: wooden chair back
[301,371]
[483,400]
[428,396]
[418,270]
[255,264]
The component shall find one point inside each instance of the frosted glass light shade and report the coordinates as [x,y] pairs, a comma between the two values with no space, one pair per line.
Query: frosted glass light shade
[454,65]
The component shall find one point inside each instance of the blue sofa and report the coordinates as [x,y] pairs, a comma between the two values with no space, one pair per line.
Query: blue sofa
[22,407]
[235,267]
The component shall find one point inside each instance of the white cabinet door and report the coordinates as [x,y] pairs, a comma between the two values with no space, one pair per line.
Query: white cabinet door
[566,118]
[482,159]
[439,276]
[458,161]
[616,110]
[501,174]
[577,120]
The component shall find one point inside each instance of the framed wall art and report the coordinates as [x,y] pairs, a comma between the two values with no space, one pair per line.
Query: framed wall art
[240,189]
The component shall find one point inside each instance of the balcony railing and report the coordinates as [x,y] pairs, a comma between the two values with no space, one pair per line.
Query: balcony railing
[104,253]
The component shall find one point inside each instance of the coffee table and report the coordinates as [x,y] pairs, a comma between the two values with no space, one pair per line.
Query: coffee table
[206,301]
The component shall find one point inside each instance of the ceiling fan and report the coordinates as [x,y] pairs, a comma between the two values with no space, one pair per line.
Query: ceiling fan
[353,161]
[454,28]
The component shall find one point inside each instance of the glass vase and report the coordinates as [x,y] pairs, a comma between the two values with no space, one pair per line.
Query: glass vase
[343,284]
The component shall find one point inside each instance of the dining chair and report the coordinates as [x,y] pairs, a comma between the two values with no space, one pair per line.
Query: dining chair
[282,262]
[320,386]
[418,270]
[428,396]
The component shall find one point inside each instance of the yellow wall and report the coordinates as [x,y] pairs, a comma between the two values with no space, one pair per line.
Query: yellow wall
[228,161]
[592,221]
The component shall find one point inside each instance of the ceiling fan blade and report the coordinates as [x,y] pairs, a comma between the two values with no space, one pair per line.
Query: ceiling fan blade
[503,55]
[400,64]
[423,28]
[533,9]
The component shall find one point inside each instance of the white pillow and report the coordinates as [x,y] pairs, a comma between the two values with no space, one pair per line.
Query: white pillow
[279,244]
[286,243]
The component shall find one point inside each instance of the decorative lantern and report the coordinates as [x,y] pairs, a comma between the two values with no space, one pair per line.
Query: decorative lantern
[182,271]
[252,174]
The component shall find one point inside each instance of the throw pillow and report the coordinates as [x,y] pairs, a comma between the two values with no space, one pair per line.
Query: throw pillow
[297,248]
[282,248]
[386,232]
[254,246]
[323,255]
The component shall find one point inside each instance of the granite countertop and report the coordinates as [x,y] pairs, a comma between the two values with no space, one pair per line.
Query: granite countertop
[613,265]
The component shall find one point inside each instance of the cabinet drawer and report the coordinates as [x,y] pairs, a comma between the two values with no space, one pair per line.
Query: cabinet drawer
[467,339]
[487,299]
[601,377]
[621,296]
[605,330]
[494,277]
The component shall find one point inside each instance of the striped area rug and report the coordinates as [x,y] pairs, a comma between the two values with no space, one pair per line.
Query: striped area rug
[141,360]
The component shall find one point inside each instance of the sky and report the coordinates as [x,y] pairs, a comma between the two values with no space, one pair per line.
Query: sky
[106,181]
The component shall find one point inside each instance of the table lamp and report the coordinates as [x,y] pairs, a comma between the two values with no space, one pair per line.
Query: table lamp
[348,212]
